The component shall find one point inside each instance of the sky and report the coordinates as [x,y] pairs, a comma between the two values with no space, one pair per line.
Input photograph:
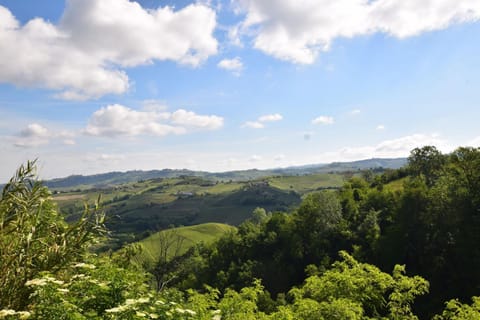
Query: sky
[92,86]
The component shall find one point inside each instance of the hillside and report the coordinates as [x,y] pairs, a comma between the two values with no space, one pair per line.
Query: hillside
[105,180]
[135,209]
[187,236]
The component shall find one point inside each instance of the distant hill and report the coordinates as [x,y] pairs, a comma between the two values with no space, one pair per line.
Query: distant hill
[114,178]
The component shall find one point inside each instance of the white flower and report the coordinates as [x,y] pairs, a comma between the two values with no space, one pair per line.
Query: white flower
[36,282]
[24,314]
[191,312]
[7,312]
[116,309]
[84,265]
[179,310]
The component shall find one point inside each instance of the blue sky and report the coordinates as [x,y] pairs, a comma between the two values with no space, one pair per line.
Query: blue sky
[90,86]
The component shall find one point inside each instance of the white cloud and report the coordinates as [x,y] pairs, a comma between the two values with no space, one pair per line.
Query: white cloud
[234,65]
[117,120]
[298,31]
[259,123]
[255,158]
[35,130]
[279,157]
[253,125]
[84,55]
[380,127]
[34,135]
[355,112]
[106,157]
[402,146]
[190,119]
[323,120]
[270,117]
[394,148]
[474,142]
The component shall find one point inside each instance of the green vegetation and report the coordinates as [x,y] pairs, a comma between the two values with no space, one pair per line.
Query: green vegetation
[307,183]
[143,207]
[364,251]
[107,180]
[189,237]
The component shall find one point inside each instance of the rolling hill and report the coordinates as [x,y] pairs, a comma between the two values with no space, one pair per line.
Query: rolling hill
[188,236]
[105,180]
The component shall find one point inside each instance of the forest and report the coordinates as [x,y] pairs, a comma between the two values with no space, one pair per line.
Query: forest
[365,250]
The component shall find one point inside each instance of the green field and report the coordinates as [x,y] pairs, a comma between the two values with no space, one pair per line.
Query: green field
[188,236]
[307,183]
[153,205]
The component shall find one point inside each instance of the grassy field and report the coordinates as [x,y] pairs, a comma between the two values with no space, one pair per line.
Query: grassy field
[396,185]
[157,204]
[307,183]
[190,236]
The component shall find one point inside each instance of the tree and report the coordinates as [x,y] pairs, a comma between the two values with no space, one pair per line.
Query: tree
[170,256]
[427,162]
[35,238]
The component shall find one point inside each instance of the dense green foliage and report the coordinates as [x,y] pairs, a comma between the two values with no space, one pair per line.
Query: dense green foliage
[430,224]
[276,265]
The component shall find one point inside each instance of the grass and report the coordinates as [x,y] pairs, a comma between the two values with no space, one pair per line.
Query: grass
[191,235]
[307,183]
[396,185]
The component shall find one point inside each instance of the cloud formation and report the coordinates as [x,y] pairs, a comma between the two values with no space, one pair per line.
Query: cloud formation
[34,135]
[117,120]
[235,65]
[298,31]
[270,117]
[323,120]
[84,56]
[260,122]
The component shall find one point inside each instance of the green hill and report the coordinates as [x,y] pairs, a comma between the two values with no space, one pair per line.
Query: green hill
[105,180]
[182,239]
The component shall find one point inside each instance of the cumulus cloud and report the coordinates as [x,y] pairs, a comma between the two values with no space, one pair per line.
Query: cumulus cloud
[253,125]
[392,148]
[323,120]
[234,65]
[380,127]
[35,134]
[260,122]
[402,146]
[84,56]
[117,120]
[270,117]
[298,31]
[190,119]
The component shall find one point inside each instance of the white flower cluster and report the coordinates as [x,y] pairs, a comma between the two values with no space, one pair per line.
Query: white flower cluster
[9,312]
[132,305]
[42,281]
